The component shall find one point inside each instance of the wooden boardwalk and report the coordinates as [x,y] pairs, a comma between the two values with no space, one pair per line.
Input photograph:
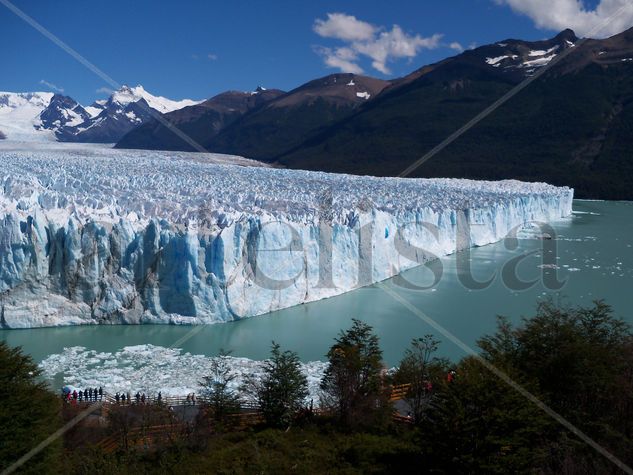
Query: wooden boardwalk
[147,437]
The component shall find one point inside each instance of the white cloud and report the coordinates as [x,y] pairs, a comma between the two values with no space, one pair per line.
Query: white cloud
[212,56]
[344,27]
[607,19]
[51,86]
[340,58]
[104,90]
[377,43]
[456,46]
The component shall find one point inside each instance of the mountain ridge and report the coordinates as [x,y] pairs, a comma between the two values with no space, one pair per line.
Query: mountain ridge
[571,127]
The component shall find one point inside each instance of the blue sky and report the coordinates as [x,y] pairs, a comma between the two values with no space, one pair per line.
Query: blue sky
[197,49]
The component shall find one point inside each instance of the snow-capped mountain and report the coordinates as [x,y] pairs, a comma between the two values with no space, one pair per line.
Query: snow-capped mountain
[45,116]
[127,108]
[19,115]
[62,111]
[126,95]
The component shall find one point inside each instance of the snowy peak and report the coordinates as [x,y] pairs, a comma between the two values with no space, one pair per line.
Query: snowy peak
[62,111]
[127,95]
[258,90]
[107,121]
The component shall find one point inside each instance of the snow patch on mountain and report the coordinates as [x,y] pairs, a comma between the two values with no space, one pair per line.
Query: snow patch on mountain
[538,62]
[543,52]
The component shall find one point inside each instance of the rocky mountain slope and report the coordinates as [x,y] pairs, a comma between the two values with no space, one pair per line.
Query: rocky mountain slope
[264,123]
[573,126]
[200,122]
[287,121]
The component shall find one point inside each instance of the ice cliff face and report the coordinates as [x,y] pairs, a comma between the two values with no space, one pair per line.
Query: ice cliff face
[102,236]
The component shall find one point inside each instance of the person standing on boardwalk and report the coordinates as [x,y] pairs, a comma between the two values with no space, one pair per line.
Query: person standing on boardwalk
[100,393]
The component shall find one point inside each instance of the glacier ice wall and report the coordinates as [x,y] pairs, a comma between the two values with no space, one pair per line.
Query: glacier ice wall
[110,236]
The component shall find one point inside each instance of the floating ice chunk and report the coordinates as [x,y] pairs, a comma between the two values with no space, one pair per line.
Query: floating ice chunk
[150,369]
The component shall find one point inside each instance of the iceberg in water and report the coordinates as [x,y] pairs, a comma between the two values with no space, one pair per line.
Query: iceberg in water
[150,369]
[94,235]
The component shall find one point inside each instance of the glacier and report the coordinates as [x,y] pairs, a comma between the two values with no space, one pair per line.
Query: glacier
[93,235]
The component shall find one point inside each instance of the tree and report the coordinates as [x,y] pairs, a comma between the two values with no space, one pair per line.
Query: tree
[352,384]
[419,369]
[217,387]
[282,389]
[481,425]
[29,412]
[581,361]
[576,355]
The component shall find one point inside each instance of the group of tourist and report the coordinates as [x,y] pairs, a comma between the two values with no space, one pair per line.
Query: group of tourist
[123,398]
[72,394]
[90,394]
